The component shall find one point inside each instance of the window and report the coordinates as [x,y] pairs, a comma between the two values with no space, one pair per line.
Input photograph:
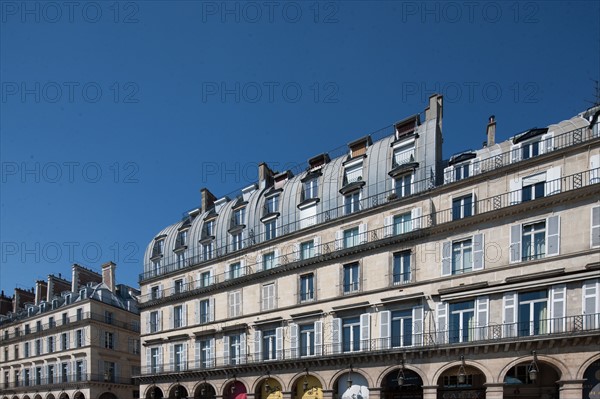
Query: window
[352,202]
[461,171]
[156,267]
[79,338]
[16,380]
[38,376]
[134,346]
[272,204]
[269,350]
[205,311]
[351,278]
[180,259]
[268,296]
[26,349]
[307,290]
[311,189]
[239,215]
[50,375]
[178,286]
[38,325]
[210,228]
[158,248]
[108,317]
[17,351]
[351,334]
[403,154]
[155,360]
[178,316]
[51,322]
[462,256]
[462,207]
[462,321]
[307,340]
[353,173]
[351,237]
[534,241]
[79,373]
[534,187]
[26,379]
[64,341]
[27,329]
[530,150]
[402,185]
[205,348]
[154,322]
[401,268]
[179,357]
[402,328]
[268,260]
[64,372]
[235,303]
[235,270]
[207,251]
[307,249]
[520,373]
[6,379]
[533,313]
[181,240]
[402,223]
[237,241]
[65,318]
[205,279]
[271,229]
[109,340]
[155,292]
[38,347]
[235,349]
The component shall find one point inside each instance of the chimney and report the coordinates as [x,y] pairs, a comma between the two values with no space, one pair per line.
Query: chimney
[108,275]
[265,176]
[491,131]
[41,287]
[435,108]
[50,289]
[207,199]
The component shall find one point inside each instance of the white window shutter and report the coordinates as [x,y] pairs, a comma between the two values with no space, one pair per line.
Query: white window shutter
[362,233]
[294,341]
[595,169]
[171,317]
[442,321]
[417,314]
[415,215]
[243,348]
[595,228]
[388,224]
[258,346]
[197,311]
[553,181]
[171,357]
[547,144]
[211,309]
[591,304]
[197,355]
[515,243]
[226,359]
[448,174]
[515,189]
[336,339]
[278,260]
[148,359]
[279,343]
[476,166]
[185,356]
[211,352]
[558,300]
[365,331]
[515,153]
[185,314]
[259,262]
[159,320]
[242,267]
[482,317]
[447,258]
[339,240]
[478,254]
[319,338]
[509,303]
[385,328]
[553,236]
[296,252]
[317,245]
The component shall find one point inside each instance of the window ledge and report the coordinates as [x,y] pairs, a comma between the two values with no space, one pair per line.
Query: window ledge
[401,169]
[307,203]
[348,188]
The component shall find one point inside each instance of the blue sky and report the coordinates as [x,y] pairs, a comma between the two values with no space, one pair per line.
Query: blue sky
[114,114]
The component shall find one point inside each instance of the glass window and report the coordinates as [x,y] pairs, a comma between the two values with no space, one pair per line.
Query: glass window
[210,228]
[402,323]
[180,259]
[533,191]
[311,188]
[307,292]
[178,357]
[461,171]
[205,353]
[154,322]
[307,340]
[158,248]
[204,311]
[108,340]
[351,334]
[401,272]
[239,215]
[307,250]
[462,256]
[155,360]
[234,349]
[268,261]
[533,313]
[268,345]
[462,321]
[530,150]
[205,279]
[268,296]
[402,223]
[534,241]
[271,229]
[272,204]
[181,240]
[207,251]
[178,316]
[352,202]
[462,207]
[404,154]
[350,237]
[351,278]
[235,270]
[237,242]
[178,286]
[78,371]
[353,174]
[402,185]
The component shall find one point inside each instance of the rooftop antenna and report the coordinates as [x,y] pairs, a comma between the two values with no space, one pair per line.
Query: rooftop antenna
[596,100]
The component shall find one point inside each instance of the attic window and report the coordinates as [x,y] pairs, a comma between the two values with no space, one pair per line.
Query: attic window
[318,161]
[281,178]
[407,126]
[158,248]
[359,147]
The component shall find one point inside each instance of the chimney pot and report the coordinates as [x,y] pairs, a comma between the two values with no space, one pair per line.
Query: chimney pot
[491,131]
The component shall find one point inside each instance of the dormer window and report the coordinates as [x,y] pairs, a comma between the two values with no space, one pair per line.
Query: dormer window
[239,215]
[461,166]
[209,227]
[353,173]
[311,189]
[158,248]
[404,154]
[359,147]
[531,143]
[272,204]
[181,241]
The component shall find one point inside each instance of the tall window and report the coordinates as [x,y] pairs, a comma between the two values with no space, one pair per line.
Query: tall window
[50,375]
[109,340]
[307,250]
[239,215]
[307,291]
[64,341]
[50,344]
[462,207]
[353,173]
[178,357]
[235,303]
[26,349]
[530,150]
[533,191]
[268,261]
[205,353]
[155,292]
[158,248]
[404,154]
[181,240]
[402,323]
[38,348]
[154,321]
[462,321]
[78,339]
[268,345]
[311,188]
[109,371]
[108,317]
[534,241]
[78,371]
[272,204]
[402,223]
[205,279]
[462,256]
[351,278]
[180,259]
[401,268]
[237,242]
[533,313]
[178,286]
[210,228]
[268,296]
[178,316]
[402,185]
[235,270]
[351,237]
[307,340]
[235,349]
[461,171]
[38,376]
[26,379]
[155,363]
[64,372]
[351,334]
[207,250]
[352,202]
[271,229]
[205,311]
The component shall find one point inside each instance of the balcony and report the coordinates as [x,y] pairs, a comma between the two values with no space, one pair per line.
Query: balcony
[423,337]
[335,248]
[61,381]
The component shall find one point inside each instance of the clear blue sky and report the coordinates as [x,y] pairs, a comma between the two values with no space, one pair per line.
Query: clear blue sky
[114,114]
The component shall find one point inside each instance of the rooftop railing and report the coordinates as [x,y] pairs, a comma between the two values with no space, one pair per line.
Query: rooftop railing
[161,265]
[292,254]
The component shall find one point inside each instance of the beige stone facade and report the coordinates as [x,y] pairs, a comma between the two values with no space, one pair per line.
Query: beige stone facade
[71,340]
[475,277]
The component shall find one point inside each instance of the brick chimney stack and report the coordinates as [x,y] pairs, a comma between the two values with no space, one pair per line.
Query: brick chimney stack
[108,275]
[491,131]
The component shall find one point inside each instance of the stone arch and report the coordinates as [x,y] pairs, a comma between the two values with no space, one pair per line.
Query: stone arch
[585,365]
[357,376]
[305,385]
[345,371]
[78,395]
[272,379]
[63,395]
[591,377]
[38,396]
[107,395]
[555,363]
[392,386]
[239,389]
[158,393]
[389,369]
[468,363]
[473,383]
[26,397]
[209,390]
[49,396]
[172,390]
